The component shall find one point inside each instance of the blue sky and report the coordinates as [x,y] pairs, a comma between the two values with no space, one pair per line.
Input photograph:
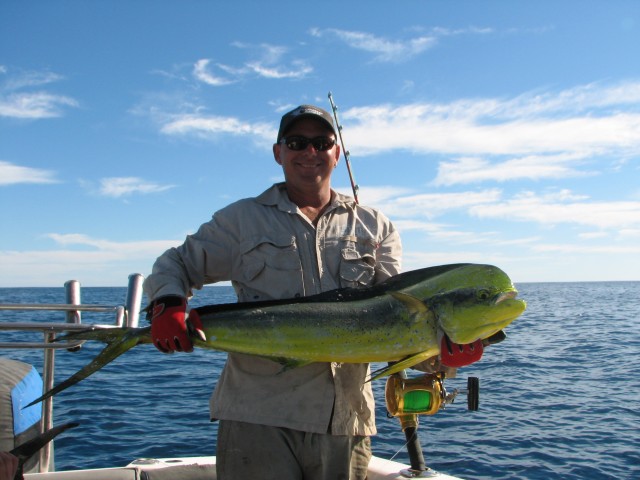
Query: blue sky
[488,131]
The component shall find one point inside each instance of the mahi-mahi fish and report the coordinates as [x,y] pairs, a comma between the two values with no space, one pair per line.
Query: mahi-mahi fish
[400,320]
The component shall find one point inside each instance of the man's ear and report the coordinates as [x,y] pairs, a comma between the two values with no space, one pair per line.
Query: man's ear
[276,153]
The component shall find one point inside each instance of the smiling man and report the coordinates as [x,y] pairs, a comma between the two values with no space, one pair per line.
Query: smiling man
[297,238]
[306,149]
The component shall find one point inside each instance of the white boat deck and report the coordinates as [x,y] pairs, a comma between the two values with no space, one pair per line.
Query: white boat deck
[201,468]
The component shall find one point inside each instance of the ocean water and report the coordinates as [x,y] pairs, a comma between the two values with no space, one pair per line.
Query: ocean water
[559,398]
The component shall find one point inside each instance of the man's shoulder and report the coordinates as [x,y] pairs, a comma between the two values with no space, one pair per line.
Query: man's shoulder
[269,197]
[240,205]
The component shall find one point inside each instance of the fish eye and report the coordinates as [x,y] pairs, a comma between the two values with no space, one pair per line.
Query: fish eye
[484,294]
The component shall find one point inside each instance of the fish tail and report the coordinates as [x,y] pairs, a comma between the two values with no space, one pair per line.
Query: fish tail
[29,448]
[118,340]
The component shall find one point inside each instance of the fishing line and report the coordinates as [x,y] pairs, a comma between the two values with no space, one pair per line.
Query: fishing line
[354,186]
[409,440]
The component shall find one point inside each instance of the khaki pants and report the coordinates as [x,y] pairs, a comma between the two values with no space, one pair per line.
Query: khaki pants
[247,450]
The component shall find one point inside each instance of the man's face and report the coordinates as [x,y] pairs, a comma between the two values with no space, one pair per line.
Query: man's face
[307,167]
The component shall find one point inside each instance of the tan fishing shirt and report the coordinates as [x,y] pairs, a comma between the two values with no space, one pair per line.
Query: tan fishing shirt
[270,250]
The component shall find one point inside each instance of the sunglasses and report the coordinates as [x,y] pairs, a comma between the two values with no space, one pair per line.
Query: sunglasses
[298,143]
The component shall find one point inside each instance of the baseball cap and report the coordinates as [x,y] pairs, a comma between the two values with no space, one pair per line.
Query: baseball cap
[309,111]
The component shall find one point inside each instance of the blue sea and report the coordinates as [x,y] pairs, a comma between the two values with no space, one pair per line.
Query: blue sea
[559,398]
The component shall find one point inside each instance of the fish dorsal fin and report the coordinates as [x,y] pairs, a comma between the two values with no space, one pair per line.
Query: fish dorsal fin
[413,304]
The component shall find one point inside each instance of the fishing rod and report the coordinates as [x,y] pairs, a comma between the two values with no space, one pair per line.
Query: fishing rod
[406,398]
[354,186]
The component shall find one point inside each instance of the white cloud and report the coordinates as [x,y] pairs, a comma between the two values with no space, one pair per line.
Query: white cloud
[629,233]
[563,208]
[573,248]
[374,195]
[15,102]
[110,247]
[419,259]
[11,174]
[620,219]
[484,127]
[177,117]
[92,261]
[267,62]
[393,50]
[210,126]
[578,99]
[466,170]
[34,105]
[533,136]
[30,79]
[124,186]
[202,73]
[439,232]
[385,50]
[593,235]
[298,70]
[432,205]
[273,62]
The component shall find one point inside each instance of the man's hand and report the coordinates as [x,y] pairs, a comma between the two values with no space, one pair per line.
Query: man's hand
[169,326]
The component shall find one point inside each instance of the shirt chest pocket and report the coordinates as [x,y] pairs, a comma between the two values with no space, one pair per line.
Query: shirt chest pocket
[269,268]
[358,261]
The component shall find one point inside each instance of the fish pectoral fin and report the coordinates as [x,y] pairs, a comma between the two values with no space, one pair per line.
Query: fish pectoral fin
[415,305]
[406,362]
[288,363]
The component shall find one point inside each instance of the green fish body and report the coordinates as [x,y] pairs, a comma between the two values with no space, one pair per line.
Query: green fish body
[399,320]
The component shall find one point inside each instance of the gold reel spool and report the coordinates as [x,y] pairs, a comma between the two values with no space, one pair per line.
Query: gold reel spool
[422,395]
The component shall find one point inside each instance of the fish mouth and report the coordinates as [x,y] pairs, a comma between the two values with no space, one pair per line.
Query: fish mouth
[510,295]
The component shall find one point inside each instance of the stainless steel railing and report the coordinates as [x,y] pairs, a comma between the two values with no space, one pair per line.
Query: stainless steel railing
[127,315]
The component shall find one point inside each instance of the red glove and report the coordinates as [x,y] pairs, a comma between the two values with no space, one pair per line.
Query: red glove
[170,329]
[456,355]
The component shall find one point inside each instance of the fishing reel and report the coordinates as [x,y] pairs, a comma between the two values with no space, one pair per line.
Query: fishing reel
[425,394]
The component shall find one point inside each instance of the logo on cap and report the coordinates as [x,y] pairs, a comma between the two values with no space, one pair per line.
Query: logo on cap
[303,110]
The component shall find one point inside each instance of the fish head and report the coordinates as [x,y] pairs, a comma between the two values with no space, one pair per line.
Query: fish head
[480,300]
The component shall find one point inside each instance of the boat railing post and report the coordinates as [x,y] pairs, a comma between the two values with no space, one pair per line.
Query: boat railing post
[47,405]
[72,294]
[134,300]
[121,314]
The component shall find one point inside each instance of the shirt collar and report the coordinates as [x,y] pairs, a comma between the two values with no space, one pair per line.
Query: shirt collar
[276,195]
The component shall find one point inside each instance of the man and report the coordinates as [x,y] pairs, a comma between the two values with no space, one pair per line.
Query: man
[297,238]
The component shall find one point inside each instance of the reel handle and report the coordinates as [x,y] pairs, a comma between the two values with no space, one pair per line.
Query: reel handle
[472,391]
